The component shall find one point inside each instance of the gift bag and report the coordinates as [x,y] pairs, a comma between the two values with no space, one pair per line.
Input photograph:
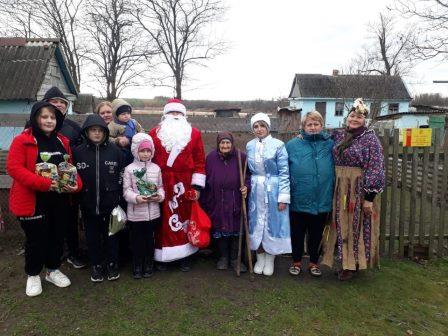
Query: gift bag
[67,173]
[198,231]
[117,220]
[145,188]
[46,169]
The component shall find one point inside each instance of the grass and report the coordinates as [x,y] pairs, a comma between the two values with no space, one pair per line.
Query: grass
[401,298]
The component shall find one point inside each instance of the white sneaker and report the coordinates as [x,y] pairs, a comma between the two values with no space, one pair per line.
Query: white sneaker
[259,265]
[33,285]
[58,278]
[269,264]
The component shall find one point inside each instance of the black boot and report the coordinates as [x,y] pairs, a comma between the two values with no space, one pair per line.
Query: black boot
[223,247]
[137,271]
[147,268]
[234,241]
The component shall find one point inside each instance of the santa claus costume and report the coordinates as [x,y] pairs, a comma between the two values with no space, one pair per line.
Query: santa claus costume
[179,152]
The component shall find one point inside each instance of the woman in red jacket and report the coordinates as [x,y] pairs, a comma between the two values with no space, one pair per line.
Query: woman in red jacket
[35,199]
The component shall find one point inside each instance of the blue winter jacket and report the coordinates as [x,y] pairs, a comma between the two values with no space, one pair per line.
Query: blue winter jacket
[311,170]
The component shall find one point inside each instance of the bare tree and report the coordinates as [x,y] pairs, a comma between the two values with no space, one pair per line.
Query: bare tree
[179,28]
[40,18]
[116,50]
[390,53]
[431,25]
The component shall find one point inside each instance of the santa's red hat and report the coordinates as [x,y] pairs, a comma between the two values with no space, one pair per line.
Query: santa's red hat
[175,105]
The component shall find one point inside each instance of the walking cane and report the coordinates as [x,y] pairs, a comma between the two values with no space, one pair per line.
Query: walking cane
[244,215]
[240,238]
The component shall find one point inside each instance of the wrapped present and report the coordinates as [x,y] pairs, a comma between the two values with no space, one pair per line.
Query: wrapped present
[67,173]
[145,188]
[117,220]
[47,169]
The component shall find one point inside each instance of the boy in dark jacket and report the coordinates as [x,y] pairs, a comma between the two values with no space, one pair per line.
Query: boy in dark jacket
[100,164]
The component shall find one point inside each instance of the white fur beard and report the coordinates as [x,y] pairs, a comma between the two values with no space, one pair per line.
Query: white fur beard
[174,131]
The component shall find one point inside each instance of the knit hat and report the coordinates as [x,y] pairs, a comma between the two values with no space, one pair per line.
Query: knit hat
[260,117]
[120,106]
[224,135]
[146,144]
[175,105]
[55,93]
[359,107]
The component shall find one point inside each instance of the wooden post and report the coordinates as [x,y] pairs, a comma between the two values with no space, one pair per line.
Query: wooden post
[384,203]
[443,198]
[402,220]
[413,202]
[394,192]
[435,181]
[423,198]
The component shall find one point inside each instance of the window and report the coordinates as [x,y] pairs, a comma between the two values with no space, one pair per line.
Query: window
[339,109]
[393,108]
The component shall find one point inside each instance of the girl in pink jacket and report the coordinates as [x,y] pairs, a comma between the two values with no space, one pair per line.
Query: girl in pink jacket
[143,190]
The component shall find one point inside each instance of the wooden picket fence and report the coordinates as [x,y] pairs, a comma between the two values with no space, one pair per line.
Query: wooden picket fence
[413,216]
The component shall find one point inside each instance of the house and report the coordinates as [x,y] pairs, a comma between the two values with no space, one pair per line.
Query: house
[28,68]
[418,116]
[334,95]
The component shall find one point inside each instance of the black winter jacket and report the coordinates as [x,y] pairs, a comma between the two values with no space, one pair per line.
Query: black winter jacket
[100,167]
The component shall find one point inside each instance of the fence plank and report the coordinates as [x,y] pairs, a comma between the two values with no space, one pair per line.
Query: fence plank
[443,201]
[402,219]
[394,192]
[413,202]
[421,226]
[384,203]
[432,224]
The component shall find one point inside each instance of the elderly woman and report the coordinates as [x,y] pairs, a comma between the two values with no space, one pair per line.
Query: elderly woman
[269,195]
[223,196]
[360,177]
[311,169]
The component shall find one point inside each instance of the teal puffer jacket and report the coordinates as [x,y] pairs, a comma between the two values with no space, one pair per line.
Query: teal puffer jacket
[311,169]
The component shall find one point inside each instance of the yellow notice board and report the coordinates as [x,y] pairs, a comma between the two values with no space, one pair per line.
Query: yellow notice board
[417,137]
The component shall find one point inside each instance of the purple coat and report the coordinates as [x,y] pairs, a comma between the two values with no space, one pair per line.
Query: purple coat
[221,198]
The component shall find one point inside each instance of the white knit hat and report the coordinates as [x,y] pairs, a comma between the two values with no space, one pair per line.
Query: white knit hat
[260,117]
[175,105]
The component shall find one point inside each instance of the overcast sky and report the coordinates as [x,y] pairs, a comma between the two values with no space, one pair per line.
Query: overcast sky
[273,40]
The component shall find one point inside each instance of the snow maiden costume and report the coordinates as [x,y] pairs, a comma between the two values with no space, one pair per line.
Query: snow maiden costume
[360,175]
[268,227]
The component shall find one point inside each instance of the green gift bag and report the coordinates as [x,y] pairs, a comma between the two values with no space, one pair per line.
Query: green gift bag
[117,220]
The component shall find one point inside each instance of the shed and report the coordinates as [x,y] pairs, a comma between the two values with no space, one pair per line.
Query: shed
[28,68]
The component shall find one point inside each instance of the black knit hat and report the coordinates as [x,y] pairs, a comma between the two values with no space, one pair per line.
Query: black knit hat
[123,109]
[55,93]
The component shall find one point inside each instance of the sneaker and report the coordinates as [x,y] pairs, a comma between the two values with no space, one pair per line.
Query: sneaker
[234,264]
[33,285]
[137,270]
[148,269]
[58,278]
[185,265]
[112,272]
[222,264]
[76,262]
[96,273]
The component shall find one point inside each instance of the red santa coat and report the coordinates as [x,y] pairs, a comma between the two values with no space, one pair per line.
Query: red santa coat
[171,242]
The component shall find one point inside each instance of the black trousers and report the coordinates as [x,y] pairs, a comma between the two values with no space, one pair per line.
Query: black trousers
[71,229]
[101,247]
[142,239]
[44,234]
[301,223]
